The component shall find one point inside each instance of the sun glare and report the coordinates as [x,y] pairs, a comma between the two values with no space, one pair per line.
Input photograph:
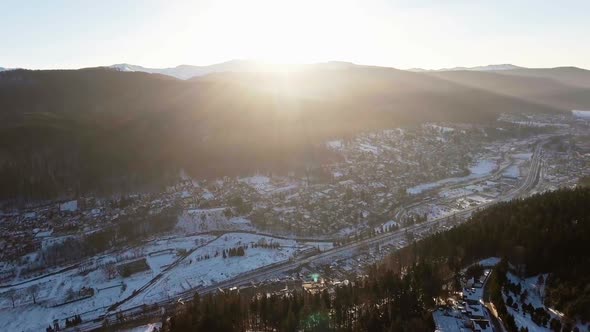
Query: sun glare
[300,32]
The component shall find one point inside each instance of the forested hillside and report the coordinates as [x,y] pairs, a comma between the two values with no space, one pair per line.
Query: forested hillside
[546,233]
[70,132]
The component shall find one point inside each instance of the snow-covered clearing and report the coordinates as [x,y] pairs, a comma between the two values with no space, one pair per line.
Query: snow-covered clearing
[203,220]
[369,148]
[441,129]
[335,144]
[267,186]
[448,322]
[513,172]
[536,292]
[523,156]
[480,169]
[193,271]
[581,114]
[144,328]
[196,271]
[489,262]
[260,183]
[108,288]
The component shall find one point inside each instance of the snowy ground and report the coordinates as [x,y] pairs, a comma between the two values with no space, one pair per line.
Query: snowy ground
[258,182]
[489,262]
[193,273]
[52,290]
[270,186]
[536,293]
[535,298]
[203,220]
[453,193]
[452,319]
[448,321]
[335,144]
[391,223]
[581,114]
[512,172]
[480,169]
[144,328]
[434,211]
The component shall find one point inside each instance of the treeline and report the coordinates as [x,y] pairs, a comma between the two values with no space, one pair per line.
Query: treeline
[100,131]
[544,233]
[496,282]
[126,231]
[234,252]
[386,302]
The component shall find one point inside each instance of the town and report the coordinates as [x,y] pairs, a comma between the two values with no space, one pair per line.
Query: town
[88,260]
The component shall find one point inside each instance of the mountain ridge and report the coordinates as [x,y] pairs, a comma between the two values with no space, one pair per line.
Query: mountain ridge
[493,67]
[185,71]
[101,130]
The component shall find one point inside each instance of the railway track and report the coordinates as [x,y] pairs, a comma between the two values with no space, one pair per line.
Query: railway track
[269,271]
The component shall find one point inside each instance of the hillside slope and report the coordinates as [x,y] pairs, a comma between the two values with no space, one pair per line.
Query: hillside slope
[98,130]
[568,75]
[546,233]
[549,90]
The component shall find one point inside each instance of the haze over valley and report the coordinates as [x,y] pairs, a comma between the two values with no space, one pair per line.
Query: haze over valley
[294,166]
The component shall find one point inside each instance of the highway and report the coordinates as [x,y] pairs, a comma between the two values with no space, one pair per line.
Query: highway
[273,270]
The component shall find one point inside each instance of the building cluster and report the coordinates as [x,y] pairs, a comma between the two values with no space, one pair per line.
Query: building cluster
[432,171]
[466,310]
[27,231]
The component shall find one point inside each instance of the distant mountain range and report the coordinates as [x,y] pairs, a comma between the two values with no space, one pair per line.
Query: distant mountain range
[566,75]
[115,129]
[188,71]
[478,68]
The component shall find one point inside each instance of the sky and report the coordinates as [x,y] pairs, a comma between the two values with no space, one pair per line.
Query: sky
[396,33]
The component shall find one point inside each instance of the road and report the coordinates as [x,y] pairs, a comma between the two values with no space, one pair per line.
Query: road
[270,271]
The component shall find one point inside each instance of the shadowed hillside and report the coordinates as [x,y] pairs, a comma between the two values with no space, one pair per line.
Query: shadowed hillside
[100,130]
[547,90]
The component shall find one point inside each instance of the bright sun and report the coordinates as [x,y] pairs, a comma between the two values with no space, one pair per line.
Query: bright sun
[275,31]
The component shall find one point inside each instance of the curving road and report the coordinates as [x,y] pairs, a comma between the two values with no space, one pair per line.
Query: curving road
[270,271]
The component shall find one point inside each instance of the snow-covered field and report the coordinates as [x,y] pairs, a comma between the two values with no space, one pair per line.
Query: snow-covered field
[512,172]
[267,186]
[144,328]
[204,220]
[53,290]
[480,169]
[335,144]
[535,289]
[535,296]
[35,317]
[195,272]
[581,114]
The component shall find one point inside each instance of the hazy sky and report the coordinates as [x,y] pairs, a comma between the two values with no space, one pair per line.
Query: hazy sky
[398,33]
